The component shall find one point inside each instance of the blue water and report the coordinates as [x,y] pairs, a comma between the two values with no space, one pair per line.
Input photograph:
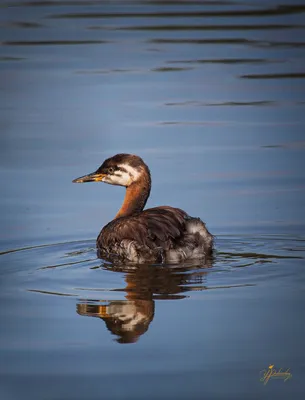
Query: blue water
[211,96]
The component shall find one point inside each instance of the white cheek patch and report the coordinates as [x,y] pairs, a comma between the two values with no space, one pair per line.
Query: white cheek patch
[122,178]
[119,178]
[108,179]
[127,314]
[133,173]
[132,324]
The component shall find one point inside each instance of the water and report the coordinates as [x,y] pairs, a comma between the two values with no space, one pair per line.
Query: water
[211,95]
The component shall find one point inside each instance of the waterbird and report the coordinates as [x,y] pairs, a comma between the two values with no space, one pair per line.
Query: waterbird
[164,234]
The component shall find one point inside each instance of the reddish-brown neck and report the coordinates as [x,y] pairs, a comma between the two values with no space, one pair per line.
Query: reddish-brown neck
[136,197]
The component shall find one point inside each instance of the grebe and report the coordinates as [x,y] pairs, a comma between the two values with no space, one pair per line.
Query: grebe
[157,235]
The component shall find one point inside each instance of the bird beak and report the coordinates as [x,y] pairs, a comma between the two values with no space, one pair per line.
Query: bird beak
[94,177]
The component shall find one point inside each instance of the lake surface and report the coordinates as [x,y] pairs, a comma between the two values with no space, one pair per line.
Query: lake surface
[211,94]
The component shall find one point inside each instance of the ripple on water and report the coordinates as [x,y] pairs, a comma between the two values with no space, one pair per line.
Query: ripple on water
[124,296]
[72,268]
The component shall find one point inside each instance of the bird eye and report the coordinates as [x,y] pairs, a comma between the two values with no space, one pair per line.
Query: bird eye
[111,170]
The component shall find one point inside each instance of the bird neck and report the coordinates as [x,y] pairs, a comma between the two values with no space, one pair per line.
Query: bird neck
[136,197]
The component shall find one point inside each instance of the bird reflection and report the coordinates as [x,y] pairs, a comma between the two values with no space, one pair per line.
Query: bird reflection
[129,319]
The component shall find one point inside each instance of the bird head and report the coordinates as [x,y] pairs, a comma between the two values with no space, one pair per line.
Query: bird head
[121,169]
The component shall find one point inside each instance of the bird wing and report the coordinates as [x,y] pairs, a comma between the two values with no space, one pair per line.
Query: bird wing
[156,227]
[165,225]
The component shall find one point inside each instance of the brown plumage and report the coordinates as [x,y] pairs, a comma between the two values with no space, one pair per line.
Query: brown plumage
[161,234]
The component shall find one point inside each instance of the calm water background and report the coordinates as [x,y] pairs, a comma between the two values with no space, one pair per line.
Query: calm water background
[211,95]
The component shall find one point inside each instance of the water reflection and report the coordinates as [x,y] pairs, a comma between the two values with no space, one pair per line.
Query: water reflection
[126,319]
[130,318]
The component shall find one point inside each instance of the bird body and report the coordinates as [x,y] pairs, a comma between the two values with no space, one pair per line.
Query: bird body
[156,235]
